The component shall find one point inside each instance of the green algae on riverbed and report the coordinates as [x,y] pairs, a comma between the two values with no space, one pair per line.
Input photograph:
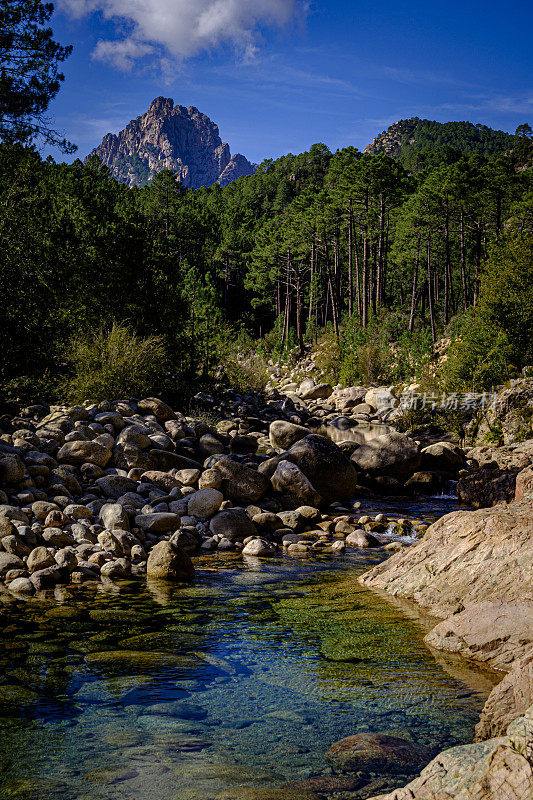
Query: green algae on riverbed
[181,693]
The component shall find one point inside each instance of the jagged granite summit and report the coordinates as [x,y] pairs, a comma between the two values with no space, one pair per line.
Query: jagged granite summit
[171,137]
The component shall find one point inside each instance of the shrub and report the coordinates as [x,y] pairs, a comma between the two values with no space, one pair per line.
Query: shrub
[370,363]
[480,357]
[413,353]
[247,372]
[113,363]
[328,357]
[242,363]
[495,339]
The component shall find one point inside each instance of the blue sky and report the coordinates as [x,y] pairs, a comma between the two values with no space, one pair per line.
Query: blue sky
[279,75]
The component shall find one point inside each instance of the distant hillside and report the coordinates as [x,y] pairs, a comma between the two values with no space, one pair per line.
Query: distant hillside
[176,138]
[408,137]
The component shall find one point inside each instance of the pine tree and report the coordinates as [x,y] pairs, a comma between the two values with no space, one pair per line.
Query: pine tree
[29,72]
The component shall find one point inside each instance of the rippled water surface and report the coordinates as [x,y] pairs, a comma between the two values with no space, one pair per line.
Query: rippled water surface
[151,692]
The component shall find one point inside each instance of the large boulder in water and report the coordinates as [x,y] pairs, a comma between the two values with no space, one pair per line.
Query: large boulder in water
[393,454]
[444,457]
[492,632]
[325,465]
[168,562]
[375,752]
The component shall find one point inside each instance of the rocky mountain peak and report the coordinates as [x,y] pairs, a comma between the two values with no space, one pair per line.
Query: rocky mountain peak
[177,138]
[391,140]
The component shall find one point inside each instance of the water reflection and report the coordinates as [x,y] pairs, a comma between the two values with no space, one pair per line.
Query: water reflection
[246,677]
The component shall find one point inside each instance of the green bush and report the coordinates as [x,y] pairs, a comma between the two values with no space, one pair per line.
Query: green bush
[246,371]
[495,339]
[242,362]
[271,341]
[413,353]
[328,357]
[479,358]
[370,363]
[113,363]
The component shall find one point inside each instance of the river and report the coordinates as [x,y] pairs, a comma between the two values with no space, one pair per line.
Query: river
[144,691]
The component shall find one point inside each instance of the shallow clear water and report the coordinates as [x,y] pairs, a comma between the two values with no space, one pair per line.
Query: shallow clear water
[152,692]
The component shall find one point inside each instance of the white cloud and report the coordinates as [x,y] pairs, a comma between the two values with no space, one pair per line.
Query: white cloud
[122,54]
[184,28]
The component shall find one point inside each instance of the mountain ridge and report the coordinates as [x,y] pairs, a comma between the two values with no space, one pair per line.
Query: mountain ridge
[177,138]
[408,137]
[187,142]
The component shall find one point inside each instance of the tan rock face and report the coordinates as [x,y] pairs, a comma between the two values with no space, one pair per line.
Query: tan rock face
[524,485]
[495,479]
[490,632]
[511,413]
[510,698]
[180,139]
[486,486]
[506,457]
[476,567]
[466,557]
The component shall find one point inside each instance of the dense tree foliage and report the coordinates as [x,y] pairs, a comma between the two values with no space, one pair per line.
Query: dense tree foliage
[381,253]
[496,336]
[347,242]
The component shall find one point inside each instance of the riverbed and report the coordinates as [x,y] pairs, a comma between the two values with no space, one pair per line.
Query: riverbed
[147,691]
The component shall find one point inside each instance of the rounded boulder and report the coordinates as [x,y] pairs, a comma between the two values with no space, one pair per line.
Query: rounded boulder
[374,752]
[168,562]
[284,434]
[393,454]
[233,524]
[325,466]
[205,503]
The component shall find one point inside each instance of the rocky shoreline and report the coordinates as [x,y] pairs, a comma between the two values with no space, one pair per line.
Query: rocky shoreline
[474,569]
[131,487]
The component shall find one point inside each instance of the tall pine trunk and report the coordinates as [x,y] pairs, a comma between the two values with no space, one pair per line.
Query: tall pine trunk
[430,292]
[463,261]
[350,257]
[364,290]
[414,290]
